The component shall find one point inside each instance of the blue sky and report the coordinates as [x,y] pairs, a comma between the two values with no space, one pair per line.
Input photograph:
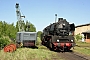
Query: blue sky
[42,12]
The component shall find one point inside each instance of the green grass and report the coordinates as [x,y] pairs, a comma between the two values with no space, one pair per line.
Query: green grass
[28,54]
[83,48]
[83,44]
[85,51]
[42,53]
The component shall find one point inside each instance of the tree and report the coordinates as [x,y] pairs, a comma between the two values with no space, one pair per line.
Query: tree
[39,34]
[30,27]
[27,26]
[1,28]
[17,26]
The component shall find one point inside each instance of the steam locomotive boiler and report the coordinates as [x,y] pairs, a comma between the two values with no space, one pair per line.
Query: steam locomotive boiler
[59,35]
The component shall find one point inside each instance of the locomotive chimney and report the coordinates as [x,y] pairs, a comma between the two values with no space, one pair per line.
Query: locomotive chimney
[59,19]
[55,18]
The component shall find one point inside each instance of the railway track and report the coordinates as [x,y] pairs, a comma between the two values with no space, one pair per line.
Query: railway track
[72,56]
[69,55]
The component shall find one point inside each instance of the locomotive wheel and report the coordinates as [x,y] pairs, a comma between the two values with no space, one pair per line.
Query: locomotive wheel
[47,44]
[10,48]
[13,46]
[50,45]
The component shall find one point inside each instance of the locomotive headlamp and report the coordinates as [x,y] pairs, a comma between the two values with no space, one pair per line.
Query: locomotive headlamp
[72,40]
[57,40]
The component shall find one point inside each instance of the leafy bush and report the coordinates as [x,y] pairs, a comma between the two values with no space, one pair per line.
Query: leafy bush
[78,37]
[38,42]
[4,42]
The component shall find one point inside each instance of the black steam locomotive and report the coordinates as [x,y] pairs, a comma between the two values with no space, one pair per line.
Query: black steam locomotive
[59,35]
